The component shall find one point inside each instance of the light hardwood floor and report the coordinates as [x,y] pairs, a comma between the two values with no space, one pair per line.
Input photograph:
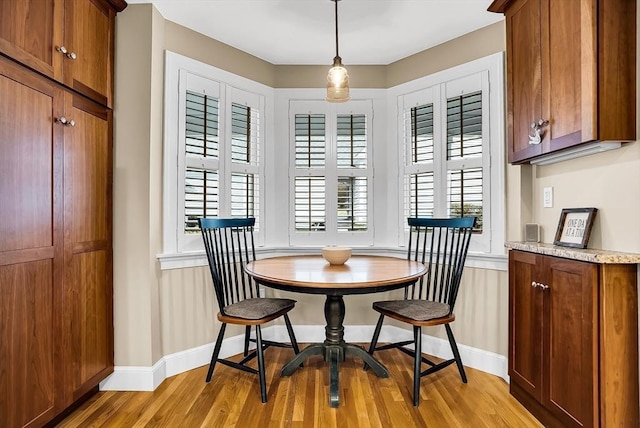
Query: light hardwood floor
[232,399]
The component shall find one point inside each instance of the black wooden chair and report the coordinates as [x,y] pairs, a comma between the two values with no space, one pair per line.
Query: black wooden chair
[441,244]
[230,246]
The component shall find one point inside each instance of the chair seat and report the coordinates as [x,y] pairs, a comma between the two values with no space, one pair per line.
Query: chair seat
[418,310]
[255,309]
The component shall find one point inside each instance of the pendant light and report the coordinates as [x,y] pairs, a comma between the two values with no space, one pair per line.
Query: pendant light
[337,79]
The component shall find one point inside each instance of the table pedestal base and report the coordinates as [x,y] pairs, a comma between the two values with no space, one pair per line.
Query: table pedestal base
[334,349]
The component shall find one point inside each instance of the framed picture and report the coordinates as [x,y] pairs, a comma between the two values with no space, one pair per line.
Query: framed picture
[574,227]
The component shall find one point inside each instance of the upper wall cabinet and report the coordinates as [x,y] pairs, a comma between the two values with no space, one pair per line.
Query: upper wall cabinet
[571,73]
[70,41]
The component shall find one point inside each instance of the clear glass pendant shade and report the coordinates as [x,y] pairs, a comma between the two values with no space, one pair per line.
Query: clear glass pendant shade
[338,83]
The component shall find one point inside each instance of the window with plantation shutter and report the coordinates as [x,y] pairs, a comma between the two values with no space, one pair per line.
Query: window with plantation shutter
[447,152]
[331,173]
[216,161]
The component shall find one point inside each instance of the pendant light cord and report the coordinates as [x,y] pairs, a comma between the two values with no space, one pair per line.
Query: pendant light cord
[336,2]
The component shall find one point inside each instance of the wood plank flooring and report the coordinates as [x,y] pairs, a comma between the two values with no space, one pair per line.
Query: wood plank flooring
[232,399]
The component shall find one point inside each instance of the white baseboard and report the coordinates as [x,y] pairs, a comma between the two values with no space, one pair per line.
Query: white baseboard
[133,378]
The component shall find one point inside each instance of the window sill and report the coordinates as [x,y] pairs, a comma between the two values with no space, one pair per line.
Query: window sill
[198,258]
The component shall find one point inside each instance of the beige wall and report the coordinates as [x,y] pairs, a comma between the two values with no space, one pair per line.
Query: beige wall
[161,312]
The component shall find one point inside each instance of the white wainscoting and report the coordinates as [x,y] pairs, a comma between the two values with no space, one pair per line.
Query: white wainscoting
[130,378]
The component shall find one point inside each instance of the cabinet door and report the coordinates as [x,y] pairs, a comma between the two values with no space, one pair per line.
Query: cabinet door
[30,30]
[89,38]
[525,323]
[88,244]
[30,248]
[569,73]
[571,331]
[524,74]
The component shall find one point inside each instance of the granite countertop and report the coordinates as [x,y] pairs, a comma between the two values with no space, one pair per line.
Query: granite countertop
[586,255]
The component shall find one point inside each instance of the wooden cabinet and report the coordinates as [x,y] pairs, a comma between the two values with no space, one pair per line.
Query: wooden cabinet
[31,252]
[56,167]
[573,361]
[56,250]
[70,41]
[571,68]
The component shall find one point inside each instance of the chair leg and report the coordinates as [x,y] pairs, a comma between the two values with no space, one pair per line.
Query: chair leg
[417,337]
[456,354]
[247,336]
[261,374]
[292,336]
[374,339]
[216,351]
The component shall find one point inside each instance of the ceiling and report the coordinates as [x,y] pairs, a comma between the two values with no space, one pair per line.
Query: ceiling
[303,31]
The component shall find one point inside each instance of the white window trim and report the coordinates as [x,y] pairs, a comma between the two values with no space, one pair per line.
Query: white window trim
[405,94]
[174,254]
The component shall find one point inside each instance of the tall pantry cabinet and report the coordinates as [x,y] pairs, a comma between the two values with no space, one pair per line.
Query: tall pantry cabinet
[56,310]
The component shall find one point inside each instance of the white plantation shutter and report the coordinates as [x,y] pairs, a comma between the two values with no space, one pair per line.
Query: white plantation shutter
[464,143]
[310,213]
[331,173]
[446,155]
[352,204]
[201,124]
[352,141]
[419,182]
[245,156]
[310,140]
[309,192]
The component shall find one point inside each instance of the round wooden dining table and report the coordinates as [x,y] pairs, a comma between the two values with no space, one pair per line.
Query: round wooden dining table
[314,275]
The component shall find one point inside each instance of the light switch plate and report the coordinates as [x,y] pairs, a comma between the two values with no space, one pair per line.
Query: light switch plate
[547,197]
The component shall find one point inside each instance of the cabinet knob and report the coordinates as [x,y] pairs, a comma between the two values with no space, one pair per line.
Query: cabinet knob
[64,121]
[544,287]
[65,52]
[537,133]
[534,284]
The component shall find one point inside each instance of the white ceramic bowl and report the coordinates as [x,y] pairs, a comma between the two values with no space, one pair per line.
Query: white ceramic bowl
[336,255]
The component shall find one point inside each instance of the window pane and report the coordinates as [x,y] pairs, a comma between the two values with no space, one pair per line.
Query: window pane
[202,128]
[201,197]
[310,204]
[464,126]
[243,195]
[422,134]
[420,194]
[244,131]
[465,194]
[352,141]
[310,140]
[352,204]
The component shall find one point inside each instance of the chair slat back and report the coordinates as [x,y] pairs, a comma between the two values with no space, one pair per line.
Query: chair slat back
[230,246]
[441,244]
